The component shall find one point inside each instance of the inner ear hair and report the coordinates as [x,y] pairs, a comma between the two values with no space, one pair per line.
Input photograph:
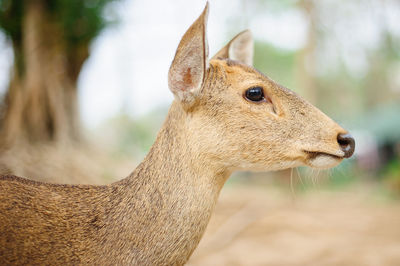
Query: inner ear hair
[240,48]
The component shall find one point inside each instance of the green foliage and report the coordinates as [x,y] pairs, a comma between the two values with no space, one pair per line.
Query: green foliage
[275,63]
[80,20]
[383,122]
[392,175]
[11,12]
[392,170]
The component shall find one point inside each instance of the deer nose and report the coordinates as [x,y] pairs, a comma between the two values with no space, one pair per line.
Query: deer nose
[347,144]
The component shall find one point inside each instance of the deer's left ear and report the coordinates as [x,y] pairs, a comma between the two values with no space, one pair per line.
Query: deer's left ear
[189,67]
[240,48]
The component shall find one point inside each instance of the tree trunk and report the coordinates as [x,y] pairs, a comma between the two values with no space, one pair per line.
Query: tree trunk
[305,63]
[41,103]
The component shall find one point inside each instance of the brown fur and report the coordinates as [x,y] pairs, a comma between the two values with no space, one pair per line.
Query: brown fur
[157,215]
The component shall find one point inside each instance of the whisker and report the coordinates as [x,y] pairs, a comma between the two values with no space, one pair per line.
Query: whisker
[291,185]
[318,178]
[323,176]
[329,175]
[301,179]
[312,177]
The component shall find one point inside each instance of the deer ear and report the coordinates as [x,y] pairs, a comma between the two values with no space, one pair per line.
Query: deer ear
[240,48]
[189,67]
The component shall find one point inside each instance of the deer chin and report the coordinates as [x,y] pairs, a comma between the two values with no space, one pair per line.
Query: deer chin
[322,160]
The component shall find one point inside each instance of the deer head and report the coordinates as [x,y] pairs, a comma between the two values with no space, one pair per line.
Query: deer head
[243,119]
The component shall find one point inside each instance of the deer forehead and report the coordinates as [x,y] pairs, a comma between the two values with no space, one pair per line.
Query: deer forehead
[241,76]
[237,77]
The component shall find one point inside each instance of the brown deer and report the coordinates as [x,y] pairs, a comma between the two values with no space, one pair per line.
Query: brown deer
[226,116]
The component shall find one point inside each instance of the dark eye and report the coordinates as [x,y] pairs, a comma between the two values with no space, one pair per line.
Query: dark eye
[255,94]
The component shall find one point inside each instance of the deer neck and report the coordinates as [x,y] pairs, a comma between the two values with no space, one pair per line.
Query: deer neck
[171,194]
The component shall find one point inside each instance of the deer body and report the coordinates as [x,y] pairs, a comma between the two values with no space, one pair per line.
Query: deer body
[157,215]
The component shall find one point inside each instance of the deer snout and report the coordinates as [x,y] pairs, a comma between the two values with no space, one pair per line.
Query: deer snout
[347,144]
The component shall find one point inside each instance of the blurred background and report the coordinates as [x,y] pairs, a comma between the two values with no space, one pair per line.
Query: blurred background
[83,92]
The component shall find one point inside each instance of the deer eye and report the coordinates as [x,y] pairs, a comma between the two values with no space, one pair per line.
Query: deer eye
[255,94]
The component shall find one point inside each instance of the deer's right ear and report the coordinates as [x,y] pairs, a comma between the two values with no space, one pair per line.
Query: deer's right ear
[189,67]
[240,48]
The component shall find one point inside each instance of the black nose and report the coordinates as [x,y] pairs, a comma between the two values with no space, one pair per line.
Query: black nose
[347,144]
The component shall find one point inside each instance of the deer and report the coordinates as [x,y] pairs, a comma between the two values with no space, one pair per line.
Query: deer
[226,116]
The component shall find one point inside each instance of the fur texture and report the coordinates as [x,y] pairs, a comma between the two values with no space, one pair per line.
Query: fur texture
[158,214]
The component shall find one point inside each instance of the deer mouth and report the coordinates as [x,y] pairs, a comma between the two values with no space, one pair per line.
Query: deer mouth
[315,154]
[322,160]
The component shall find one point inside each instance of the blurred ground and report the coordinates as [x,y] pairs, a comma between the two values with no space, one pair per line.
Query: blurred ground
[260,225]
